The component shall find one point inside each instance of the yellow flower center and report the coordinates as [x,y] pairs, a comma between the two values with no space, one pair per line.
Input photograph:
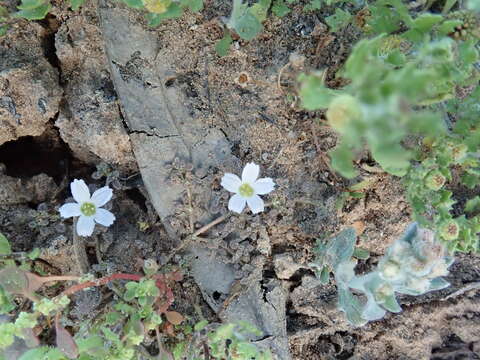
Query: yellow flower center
[245,190]
[88,209]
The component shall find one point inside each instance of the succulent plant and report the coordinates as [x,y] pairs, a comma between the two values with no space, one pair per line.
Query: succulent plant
[412,265]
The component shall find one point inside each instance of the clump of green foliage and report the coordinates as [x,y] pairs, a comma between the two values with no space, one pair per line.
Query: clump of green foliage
[140,307]
[413,265]
[221,341]
[403,103]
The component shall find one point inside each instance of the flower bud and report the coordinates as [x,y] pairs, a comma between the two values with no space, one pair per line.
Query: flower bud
[435,180]
[450,230]
[342,111]
[157,6]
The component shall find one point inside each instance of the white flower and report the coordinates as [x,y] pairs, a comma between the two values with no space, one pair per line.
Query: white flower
[247,189]
[88,208]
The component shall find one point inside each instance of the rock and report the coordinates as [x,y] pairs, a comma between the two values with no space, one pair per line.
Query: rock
[37,189]
[90,122]
[162,130]
[285,266]
[29,90]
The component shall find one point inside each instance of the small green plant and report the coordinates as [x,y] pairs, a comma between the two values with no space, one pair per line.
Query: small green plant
[403,102]
[116,334]
[221,341]
[413,265]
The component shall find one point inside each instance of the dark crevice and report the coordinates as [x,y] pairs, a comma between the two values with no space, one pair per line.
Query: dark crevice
[51,25]
[137,197]
[48,153]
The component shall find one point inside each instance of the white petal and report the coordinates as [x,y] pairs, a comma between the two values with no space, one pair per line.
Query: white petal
[255,203]
[69,210]
[263,186]
[85,225]
[231,182]
[236,204]
[80,191]
[250,173]
[104,217]
[101,196]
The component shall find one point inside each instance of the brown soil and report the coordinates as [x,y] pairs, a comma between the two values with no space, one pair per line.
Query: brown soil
[262,120]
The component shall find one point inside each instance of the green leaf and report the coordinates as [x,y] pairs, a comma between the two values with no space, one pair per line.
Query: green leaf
[134,4]
[38,13]
[391,304]
[338,20]
[76,4]
[223,46]
[342,161]
[280,9]
[325,275]
[448,26]
[351,305]
[30,4]
[243,21]
[361,254]
[426,21]
[393,158]
[193,5]
[89,343]
[5,248]
[3,29]
[43,352]
[473,205]
[260,9]
[313,92]
[34,254]
[448,6]
[200,325]
[173,11]
[313,5]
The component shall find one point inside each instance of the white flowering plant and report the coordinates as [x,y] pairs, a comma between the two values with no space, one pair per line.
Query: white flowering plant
[88,208]
[247,189]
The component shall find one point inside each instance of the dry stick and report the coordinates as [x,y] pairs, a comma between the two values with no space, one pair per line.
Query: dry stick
[61,278]
[192,237]
[79,250]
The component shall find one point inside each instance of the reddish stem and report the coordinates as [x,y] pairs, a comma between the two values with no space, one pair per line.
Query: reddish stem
[102,281]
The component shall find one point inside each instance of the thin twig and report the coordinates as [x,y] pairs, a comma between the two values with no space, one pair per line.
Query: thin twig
[60,278]
[79,251]
[211,224]
[187,241]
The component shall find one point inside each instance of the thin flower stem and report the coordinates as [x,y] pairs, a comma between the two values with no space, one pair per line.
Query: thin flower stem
[79,250]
